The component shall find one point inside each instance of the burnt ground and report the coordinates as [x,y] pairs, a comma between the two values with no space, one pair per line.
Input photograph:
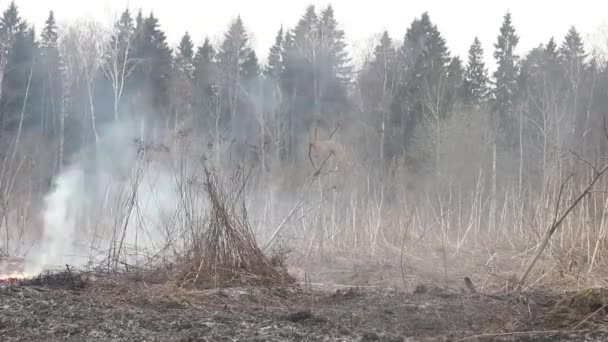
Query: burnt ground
[138,312]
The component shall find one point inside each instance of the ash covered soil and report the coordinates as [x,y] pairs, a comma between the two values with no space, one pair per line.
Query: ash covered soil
[119,311]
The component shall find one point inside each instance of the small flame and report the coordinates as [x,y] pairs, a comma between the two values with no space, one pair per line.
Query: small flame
[15,275]
[13,279]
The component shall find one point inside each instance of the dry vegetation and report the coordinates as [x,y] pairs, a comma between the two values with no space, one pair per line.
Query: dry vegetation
[336,218]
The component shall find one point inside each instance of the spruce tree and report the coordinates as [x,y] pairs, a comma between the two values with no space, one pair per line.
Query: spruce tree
[334,56]
[49,33]
[572,51]
[378,77]
[205,74]
[377,83]
[185,56]
[152,74]
[234,52]
[274,67]
[123,30]
[50,70]
[425,59]
[250,68]
[203,62]
[19,48]
[476,88]
[454,84]
[306,33]
[289,66]
[573,59]
[506,77]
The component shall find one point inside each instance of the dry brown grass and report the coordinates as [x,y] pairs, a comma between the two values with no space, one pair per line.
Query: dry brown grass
[225,252]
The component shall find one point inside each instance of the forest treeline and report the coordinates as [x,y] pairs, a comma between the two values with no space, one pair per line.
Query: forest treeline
[411,103]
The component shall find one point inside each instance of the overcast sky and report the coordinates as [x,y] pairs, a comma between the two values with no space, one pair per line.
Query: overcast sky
[459,21]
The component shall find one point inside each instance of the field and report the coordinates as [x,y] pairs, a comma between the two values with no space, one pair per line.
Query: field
[381,305]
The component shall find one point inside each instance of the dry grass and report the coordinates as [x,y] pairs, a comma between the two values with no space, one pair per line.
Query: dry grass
[226,253]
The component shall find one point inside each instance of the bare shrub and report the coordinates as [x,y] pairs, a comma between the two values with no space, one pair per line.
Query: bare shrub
[226,253]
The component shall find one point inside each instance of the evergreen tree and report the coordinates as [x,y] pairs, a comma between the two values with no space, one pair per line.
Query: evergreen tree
[425,61]
[204,69]
[19,50]
[205,74]
[289,66]
[203,65]
[333,69]
[572,57]
[377,83]
[378,77]
[454,86]
[49,33]
[572,51]
[11,25]
[50,71]
[250,68]
[152,74]
[506,77]
[306,34]
[185,56]
[301,62]
[124,30]
[234,52]
[476,88]
[274,67]
[232,56]
[334,57]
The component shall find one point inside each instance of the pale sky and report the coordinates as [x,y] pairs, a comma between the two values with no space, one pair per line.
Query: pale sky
[459,21]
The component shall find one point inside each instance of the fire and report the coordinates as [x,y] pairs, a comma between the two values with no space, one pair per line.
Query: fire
[12,271]
[13,279]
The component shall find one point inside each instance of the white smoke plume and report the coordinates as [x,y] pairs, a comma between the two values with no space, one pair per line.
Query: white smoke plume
[89,206]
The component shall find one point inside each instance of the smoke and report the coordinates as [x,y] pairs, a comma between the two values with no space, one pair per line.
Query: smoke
[108,192]
[59,219]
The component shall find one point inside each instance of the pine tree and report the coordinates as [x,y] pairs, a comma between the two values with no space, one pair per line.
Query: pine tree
[274,67]
[506,77]
[476,88]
